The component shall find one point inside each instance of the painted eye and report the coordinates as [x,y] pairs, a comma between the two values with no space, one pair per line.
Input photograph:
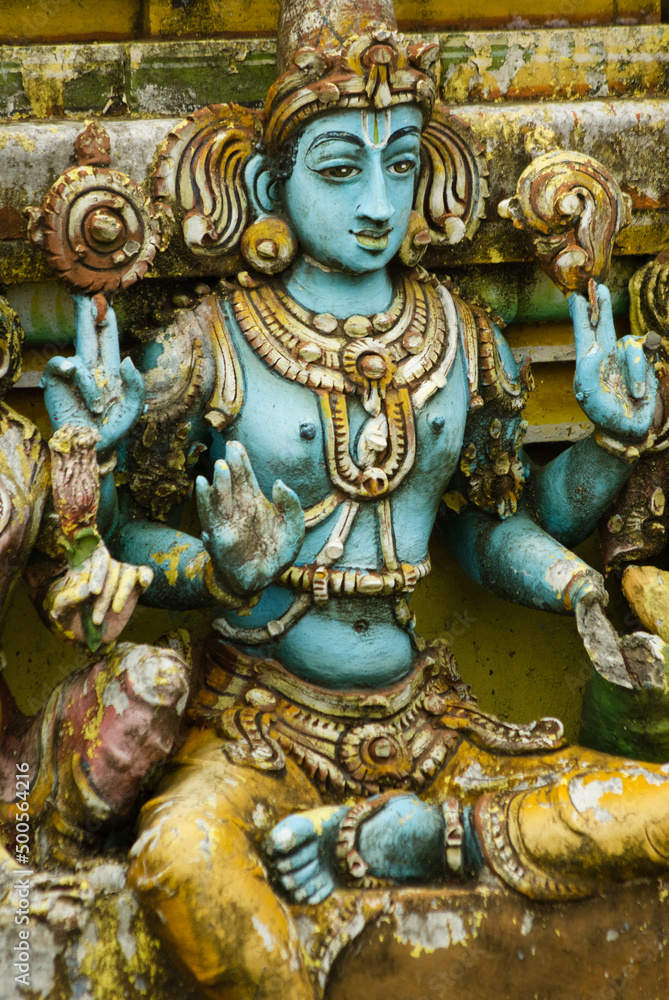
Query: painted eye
[339,173]
[403,167]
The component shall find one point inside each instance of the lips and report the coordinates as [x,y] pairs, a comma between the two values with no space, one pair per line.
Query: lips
[372,240]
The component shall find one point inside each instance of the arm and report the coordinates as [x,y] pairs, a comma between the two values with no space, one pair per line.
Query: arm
[616,388]
[246,540]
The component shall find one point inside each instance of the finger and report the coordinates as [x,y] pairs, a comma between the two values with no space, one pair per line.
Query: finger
[586,338]
[243,477]
[145,577]
[289,834]
[98,569]
[634,367]
[203,500]
[86,341]
[73,370]
[127,582]
[134,389]
[110,353]
[300,876]
[322,893]
[68,598]
[101,606]
[223,488]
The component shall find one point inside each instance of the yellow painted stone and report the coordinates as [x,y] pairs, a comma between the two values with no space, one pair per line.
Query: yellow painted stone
[69,20]
[162,18]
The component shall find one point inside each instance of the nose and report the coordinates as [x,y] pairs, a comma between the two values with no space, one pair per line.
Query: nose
[374,204]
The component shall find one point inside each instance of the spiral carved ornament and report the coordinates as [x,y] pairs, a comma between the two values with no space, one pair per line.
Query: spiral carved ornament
[96,224]
[571,209]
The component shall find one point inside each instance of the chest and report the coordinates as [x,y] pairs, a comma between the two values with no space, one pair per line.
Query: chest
[287,430]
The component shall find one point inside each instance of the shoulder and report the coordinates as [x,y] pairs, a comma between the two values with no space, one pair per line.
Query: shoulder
[190,368]
[493,373]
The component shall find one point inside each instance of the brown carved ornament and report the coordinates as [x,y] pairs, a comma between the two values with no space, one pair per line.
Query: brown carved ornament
[96,224]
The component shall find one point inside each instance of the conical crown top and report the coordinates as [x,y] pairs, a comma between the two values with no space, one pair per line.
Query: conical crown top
[326,24]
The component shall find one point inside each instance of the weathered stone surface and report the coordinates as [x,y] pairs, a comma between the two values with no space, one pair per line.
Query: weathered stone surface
[411,944]
[175,77]
[624,135]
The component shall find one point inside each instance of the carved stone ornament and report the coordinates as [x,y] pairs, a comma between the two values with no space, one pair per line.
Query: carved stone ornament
[96,224]
[571,210]
[199,172]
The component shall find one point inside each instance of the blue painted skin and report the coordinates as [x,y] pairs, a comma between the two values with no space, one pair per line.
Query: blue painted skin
[350,202]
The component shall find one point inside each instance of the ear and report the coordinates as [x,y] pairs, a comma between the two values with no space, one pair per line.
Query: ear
[260,187]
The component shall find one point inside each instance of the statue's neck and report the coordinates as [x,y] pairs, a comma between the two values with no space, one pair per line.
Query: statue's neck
[325,291]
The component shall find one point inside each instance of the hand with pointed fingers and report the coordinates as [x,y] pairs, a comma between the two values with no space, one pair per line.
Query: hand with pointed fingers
[615,384]
[300,852]
[95,387]
[249,540]
[107,588]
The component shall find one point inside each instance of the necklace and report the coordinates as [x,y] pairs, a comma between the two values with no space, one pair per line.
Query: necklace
[385,360]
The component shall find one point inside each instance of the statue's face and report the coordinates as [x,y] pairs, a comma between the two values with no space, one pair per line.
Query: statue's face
[352,188]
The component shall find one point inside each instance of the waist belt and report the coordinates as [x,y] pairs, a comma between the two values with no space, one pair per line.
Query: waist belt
[353,742]
[323,581]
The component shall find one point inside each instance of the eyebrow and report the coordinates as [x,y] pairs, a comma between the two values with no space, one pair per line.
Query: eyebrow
[343,136]
[408,130]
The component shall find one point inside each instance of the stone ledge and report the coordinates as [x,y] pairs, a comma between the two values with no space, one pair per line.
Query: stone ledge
[408,944]
[176,77]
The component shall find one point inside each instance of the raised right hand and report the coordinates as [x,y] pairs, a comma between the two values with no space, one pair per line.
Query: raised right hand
[94,387]
[250,540]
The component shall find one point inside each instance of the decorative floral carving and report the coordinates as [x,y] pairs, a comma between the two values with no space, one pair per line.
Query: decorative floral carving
[96,224]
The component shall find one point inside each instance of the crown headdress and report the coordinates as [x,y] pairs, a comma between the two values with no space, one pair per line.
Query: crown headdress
[344,55]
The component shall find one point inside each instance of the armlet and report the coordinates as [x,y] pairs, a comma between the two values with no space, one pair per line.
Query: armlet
[490,459]
[196,374]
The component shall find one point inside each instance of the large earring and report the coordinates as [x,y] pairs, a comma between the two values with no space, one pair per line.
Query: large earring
[416,240]
[269,244]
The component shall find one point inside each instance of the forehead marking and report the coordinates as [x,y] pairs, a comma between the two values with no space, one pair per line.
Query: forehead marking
[376,143]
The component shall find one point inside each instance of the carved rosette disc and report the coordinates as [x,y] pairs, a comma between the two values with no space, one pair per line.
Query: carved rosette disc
[97,228]
[571,210]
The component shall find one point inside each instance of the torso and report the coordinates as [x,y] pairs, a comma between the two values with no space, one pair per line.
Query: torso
[347,641]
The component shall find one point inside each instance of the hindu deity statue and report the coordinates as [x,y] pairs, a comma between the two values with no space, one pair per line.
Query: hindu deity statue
[337,392]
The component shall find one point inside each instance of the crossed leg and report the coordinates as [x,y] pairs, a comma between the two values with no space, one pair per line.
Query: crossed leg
[197,866]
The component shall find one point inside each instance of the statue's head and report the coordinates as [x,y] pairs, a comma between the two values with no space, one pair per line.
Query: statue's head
[351,161]
[345,185]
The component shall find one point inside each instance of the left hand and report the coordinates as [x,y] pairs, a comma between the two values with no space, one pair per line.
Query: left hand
[614,384]
[107,588]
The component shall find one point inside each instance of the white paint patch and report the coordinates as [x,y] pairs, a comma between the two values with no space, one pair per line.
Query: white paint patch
[260,816]
[265,934]
[439,929]
[612,935]
[113,695]
[585,793]
[651,777]
[126,907]
[526,925]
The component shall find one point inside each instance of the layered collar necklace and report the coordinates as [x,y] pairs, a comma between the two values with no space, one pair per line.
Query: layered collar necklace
[392,361]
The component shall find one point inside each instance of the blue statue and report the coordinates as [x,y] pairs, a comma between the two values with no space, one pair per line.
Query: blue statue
[326,749]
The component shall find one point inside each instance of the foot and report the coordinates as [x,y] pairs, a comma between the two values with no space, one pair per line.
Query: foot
[300,851]
[402,842]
